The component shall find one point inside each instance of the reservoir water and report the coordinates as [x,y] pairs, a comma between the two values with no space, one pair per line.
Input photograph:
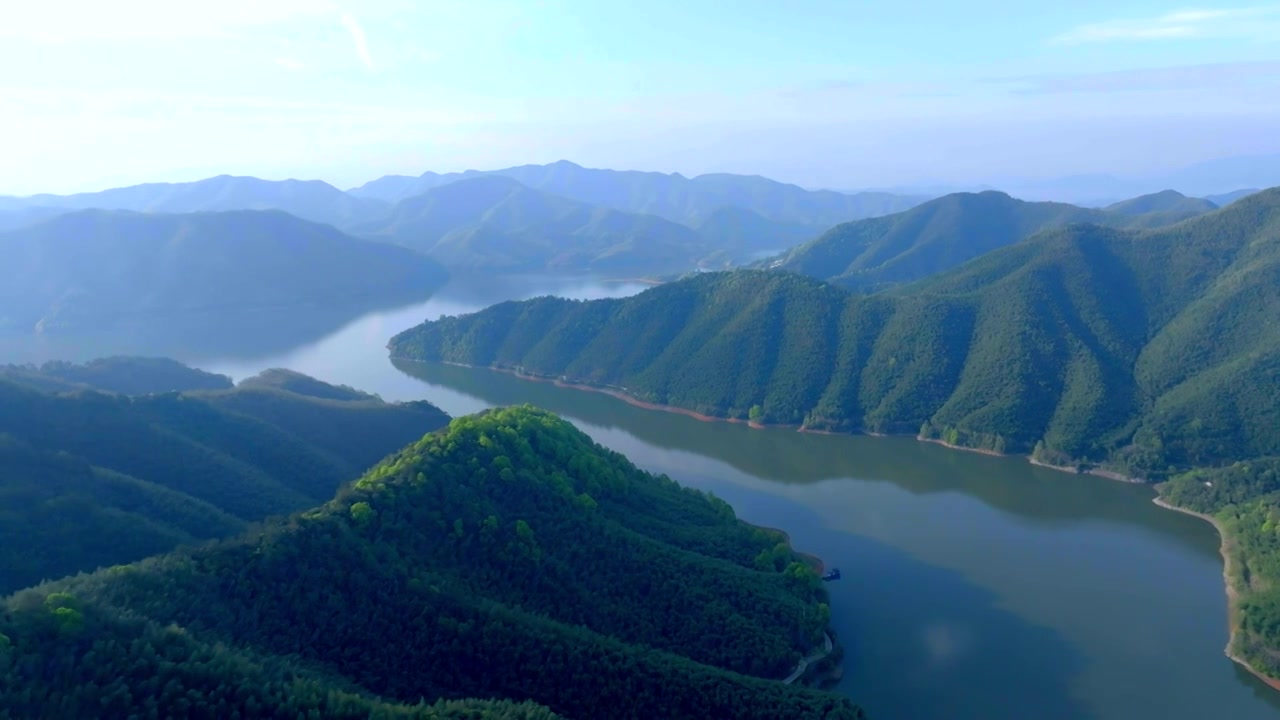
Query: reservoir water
[973,586]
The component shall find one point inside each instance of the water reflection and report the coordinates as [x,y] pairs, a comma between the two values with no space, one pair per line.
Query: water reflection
[922,641]
[791,457]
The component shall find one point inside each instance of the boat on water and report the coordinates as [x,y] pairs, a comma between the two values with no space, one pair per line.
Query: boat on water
[832,574]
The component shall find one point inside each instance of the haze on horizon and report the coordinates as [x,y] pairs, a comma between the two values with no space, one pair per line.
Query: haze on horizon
[843,95]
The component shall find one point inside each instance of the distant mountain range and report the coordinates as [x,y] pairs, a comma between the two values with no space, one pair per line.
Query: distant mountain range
[307,199]
[562,217]
[1223,176]
[549,218]
[689,201]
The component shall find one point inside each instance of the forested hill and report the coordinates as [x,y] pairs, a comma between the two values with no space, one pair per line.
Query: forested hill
[944,233]
[84,270]
[90,479]
[508,557]
[124,375]
[1139,350]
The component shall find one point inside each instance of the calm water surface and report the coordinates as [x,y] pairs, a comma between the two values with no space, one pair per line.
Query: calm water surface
[974,587]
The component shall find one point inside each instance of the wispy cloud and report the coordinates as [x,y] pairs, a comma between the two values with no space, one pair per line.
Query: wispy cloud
[1210,76]
[289,63]
[358,39]
[1256,22]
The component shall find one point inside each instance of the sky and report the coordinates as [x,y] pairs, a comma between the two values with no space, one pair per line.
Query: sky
[823,93]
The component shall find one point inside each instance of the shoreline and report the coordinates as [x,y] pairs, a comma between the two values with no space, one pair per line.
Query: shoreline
[1224,547]
[1233,593]
[620,395]
[813,561]
[702,417]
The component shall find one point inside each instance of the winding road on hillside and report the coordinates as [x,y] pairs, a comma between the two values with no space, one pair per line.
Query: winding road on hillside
[805,662]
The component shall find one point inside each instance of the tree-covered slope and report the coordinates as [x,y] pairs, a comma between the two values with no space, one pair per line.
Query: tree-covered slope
[508,557]
[1243,499]
[946,232]
[688,201]
[87,269]
[495,223]
[91,478]
[1138,349]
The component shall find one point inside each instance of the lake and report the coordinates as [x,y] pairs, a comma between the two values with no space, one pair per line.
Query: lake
[973,586]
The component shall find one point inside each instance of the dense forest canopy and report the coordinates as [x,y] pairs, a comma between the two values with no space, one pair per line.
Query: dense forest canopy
[91,478]
[513,559]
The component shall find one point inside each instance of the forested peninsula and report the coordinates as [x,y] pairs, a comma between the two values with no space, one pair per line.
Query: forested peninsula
[1152,354]
[503,567]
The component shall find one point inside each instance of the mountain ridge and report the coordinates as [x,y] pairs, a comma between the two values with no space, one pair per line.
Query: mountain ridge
[313,200]
[671,196]
[945,232]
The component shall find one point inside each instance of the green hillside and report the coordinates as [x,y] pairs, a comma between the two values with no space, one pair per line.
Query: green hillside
[92,479]
[512,558]
[1150,353]
[81,271]
[944,233]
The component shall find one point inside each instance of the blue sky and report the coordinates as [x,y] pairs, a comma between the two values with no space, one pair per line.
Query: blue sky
[823,93]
